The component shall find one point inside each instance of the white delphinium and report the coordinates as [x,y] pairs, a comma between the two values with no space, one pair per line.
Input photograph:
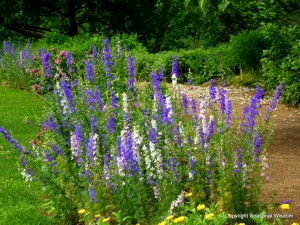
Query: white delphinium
[136,141]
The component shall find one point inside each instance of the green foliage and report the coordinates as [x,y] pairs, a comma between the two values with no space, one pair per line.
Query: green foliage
[245,50]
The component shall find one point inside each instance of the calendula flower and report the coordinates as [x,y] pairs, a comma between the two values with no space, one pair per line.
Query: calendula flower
[97,215]
[188,194]
[162,223]
[201,206]
[169,217]
[179,219]
[209,216]
[285,206]
[241,224]
[106,219]
[81,211]
[295,224]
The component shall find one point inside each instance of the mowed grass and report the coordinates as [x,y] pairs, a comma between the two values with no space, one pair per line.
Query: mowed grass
[20,202]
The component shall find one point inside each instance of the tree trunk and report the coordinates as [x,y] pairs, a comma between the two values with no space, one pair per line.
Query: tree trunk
[73,25]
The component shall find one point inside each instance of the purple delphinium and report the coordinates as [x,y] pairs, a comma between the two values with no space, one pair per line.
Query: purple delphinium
[56,150]
[185,104]
[50,124]
[228,113]
[274,101]
[94,51]
[210,128]
[130,73]
[88,70]
[68,95]
[174,66]
[194,112]
[252,109]
[69,61]
[238,158]
[212,91]
[155,83]
[46,65]
[222,100]
[256,145]
[110,124]
[93,124]
[113,100]
[90,99]
[10,140]
[92,195]
[106,57]
[191,167]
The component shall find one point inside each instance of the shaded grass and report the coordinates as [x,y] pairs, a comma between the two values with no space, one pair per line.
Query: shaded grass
[20,202]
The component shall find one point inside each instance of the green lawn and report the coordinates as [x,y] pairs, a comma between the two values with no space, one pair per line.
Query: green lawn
[20,202]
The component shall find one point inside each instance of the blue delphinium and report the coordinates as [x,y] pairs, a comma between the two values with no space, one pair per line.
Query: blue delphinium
[98,99]
[107,62]
[10,140]
[88,70]
[130,73]
[272,104]
[46,65]
[69,61]
[68,95]
[94,51]
[212,91]
[174,66]
[185,104]
[256,145]
[92,195]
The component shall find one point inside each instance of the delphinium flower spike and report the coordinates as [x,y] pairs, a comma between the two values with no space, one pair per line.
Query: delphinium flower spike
[273,103]
[89,71]
[46,65]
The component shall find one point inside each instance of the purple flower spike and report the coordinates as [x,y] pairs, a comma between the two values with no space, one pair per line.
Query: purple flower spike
[89,71]
[185,104]
[45,64]
[174,66]
[212,91]
[274,101]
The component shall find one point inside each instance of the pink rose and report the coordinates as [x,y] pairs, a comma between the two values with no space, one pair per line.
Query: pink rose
[52,49]
[35,86]
[33,70]
[62,54]
[56,61]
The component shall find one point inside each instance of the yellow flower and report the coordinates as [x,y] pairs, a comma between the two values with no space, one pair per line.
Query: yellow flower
[201,206]
[241,224]
[209,216]
[170,217]
[162,223]
[81,211]
[295,224]
[179,219]
[97,215]
[220,210]
[285,206]
[188,194]
[106,219]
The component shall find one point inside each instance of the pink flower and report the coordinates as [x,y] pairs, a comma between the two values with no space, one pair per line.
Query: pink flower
[136,104]
[56,61]
[56,76]
[33,142]
[33,70]
[35,86]
[52,49]
[62,54]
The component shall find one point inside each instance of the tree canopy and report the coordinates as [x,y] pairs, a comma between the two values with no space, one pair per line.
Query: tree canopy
[159,24]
